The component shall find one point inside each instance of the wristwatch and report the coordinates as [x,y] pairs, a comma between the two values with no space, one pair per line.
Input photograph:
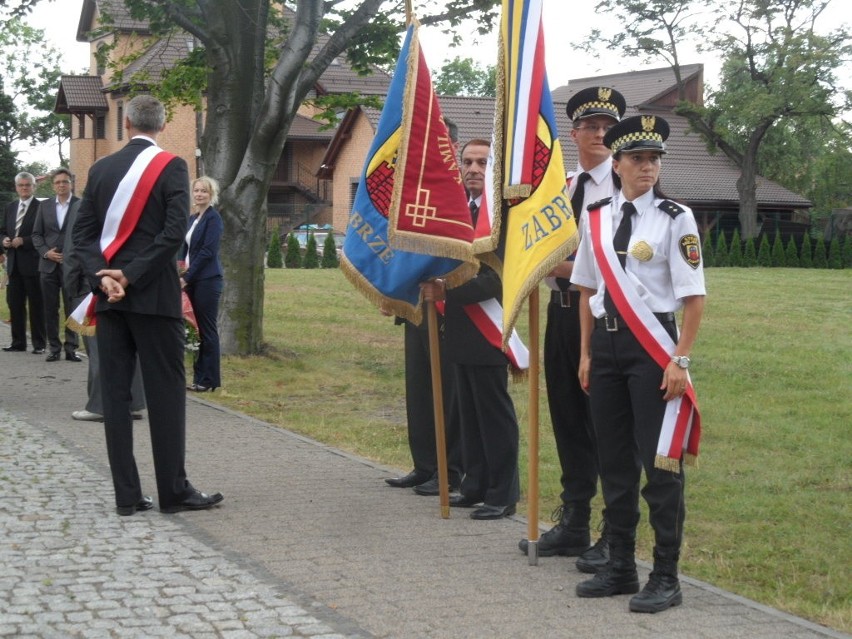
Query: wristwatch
[681,360]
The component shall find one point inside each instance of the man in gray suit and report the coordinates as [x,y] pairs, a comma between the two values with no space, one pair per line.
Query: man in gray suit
[76,287]
[48,240]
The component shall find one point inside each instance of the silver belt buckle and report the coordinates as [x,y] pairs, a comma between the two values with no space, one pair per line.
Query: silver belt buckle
[611,327]
[565,299]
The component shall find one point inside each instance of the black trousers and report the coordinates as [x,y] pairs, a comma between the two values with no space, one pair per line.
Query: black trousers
[204,296]
[420,411]
[159,344]
[489,435]
[24,294]
[570,412]
[627,409]
[52,292]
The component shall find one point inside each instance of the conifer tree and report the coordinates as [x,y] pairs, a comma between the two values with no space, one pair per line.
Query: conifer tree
[735,254]
[329,252]
[293,258]
[791,257]
[764,257]
[834,258]
[806,259]
[820,257]
[847,252]
[273,255]
[750,254]
[778,257]
[707,250]
[721,254]
[311,257]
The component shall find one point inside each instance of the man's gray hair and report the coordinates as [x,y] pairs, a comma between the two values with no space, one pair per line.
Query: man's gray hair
[23,175]
[146,114]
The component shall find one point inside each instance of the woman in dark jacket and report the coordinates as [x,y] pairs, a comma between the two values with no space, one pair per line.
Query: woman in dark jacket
[202,280]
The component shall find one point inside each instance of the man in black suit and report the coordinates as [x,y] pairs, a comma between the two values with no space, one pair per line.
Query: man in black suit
[48,240]
[489,427]
[138,308]
[23,292]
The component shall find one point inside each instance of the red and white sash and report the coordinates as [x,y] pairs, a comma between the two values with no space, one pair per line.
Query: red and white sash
[487,316]
[681,429]
[121,219]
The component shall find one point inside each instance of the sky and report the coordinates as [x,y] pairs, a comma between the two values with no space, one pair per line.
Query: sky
[59,19]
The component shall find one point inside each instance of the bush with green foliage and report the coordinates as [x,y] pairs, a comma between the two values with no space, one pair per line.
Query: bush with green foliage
[707,250]
[750,253]
[311,254]
[273,255]
[735,255]
[329,253]
[721,254]
[764,252]
[820,257]
[834,258]
[806,256]
[791,256]
[777,255]
[293,257]
[846,254]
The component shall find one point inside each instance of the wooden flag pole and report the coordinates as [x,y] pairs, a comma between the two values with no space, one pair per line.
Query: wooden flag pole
[438,409]
[532,489]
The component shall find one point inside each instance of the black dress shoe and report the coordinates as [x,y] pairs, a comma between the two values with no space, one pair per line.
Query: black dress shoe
[196,501]
[493,512]
[73,357]
[414,478]
[146,503]
[14,349]
[461,501]
[431,488]
[198,388]
[53,357]
[38,351]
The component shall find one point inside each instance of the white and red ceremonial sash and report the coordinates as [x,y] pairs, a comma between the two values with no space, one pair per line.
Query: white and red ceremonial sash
[681,429]
[487,316]
[121,219]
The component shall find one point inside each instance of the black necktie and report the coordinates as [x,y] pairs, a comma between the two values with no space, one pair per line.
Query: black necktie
[620,242]
[579,194]
[474,211]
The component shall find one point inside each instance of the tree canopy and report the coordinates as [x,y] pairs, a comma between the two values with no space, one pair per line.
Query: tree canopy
[464,76]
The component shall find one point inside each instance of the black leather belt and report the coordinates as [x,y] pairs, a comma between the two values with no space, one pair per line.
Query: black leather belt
[614,323]
[565,299]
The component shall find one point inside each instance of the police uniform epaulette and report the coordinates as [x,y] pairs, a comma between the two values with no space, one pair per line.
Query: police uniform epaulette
[599,204]
[672,208]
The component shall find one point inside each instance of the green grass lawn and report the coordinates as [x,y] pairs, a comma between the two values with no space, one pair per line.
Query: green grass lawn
[769,513]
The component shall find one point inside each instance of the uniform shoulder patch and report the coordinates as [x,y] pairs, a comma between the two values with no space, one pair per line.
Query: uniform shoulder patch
[672,208]
[690,250]
[599,204]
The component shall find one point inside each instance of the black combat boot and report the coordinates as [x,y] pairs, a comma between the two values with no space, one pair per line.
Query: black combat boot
[663,588]
[619,577]
[569,537]
[595,558]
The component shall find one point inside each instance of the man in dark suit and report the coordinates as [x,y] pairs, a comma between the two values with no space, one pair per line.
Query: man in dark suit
[48,239]
[138,306]
[23,292]
[489,427]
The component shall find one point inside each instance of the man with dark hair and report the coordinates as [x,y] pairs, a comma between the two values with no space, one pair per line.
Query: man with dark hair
[48,239]
[138,306]
[23,292]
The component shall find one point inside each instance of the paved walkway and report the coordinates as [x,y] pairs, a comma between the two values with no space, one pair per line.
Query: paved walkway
[308,543]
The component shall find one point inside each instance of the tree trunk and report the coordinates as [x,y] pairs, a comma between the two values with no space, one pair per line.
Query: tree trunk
[747,182]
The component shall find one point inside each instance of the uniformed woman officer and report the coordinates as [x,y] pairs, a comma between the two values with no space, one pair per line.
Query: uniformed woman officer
[638,263]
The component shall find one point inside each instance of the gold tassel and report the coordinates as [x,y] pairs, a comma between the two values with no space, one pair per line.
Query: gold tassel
[667,463]
[83,329]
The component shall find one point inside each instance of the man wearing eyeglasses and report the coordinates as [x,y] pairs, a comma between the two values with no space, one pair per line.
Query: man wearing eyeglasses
[48,239]
[24,291]
[593,111]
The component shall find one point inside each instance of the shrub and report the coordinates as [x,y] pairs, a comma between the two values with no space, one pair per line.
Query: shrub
[806,259]
[764,257]
[750,254]
[820,258]
[293,258]
[834,258]
[846,254]
[721,255]
[777,255]
[329,252]
[273,255]
[791,257]
[707,249]
[735,255]
[311,257]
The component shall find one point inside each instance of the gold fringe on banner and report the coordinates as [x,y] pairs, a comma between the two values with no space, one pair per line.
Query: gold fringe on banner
[83,329]
[667,463]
